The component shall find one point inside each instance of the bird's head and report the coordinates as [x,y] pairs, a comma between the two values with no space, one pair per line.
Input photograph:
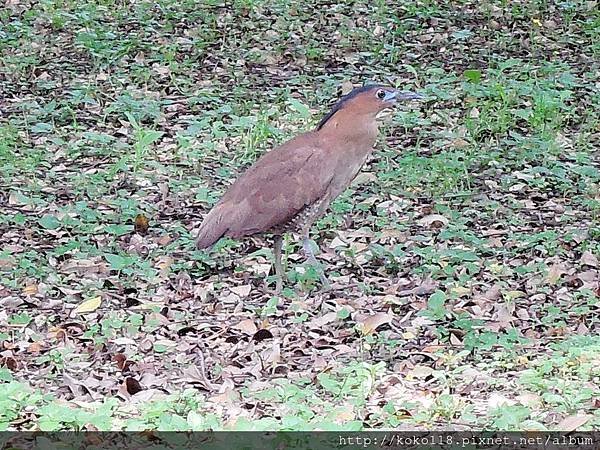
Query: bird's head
[369,100]
[377,98]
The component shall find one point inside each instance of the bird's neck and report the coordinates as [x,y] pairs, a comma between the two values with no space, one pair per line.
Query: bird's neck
[349,127]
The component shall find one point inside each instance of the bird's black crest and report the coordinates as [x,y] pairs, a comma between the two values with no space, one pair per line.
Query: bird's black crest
[342,101]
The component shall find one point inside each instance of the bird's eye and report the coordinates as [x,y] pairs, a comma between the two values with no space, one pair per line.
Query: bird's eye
[380,94]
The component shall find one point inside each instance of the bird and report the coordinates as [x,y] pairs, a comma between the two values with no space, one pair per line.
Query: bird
[291,186]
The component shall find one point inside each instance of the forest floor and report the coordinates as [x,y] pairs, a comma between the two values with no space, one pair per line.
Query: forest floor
[464,259]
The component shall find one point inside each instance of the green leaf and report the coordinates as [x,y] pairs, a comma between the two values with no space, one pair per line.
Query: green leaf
[48,425]
[20,198]
[118,230]
[117,262]
[462,34]
[160,348]
[5,376]
[343,314]
[149,136]
[299,107]
[272,302]
[435,305]
[472,75]
[49,222]
[42,128]
[20,319]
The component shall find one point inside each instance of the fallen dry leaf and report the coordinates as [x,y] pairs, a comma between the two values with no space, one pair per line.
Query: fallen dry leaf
[531,400]
[433,220]
[346,87]
[247,326]
[164,265]
[242,291]
[30,289]
[420,372]
[555,272]
[141,224]
[371,323]
[89,305]
[496,400]
[571,423]
[132,386]
[589,259]
[455,340]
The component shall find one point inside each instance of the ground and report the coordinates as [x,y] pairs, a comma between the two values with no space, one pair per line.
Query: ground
[464,259]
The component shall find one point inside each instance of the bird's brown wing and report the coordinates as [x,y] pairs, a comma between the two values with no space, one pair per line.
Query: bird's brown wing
[271,192]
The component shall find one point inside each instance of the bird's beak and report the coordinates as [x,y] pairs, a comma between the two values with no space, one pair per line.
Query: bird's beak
[408,95]
[391,96]
[394,96]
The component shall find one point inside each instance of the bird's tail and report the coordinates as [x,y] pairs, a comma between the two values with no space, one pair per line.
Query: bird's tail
[212,229]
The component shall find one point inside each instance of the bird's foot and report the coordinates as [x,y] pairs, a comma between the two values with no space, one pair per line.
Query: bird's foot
[310,255]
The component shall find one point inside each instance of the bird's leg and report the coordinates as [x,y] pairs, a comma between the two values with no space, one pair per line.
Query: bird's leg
[310,254]
[277,245]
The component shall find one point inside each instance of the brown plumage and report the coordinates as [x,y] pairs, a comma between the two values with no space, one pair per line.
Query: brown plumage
[291,186]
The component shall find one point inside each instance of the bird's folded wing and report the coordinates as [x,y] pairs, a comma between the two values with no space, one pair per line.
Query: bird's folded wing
[277,187]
